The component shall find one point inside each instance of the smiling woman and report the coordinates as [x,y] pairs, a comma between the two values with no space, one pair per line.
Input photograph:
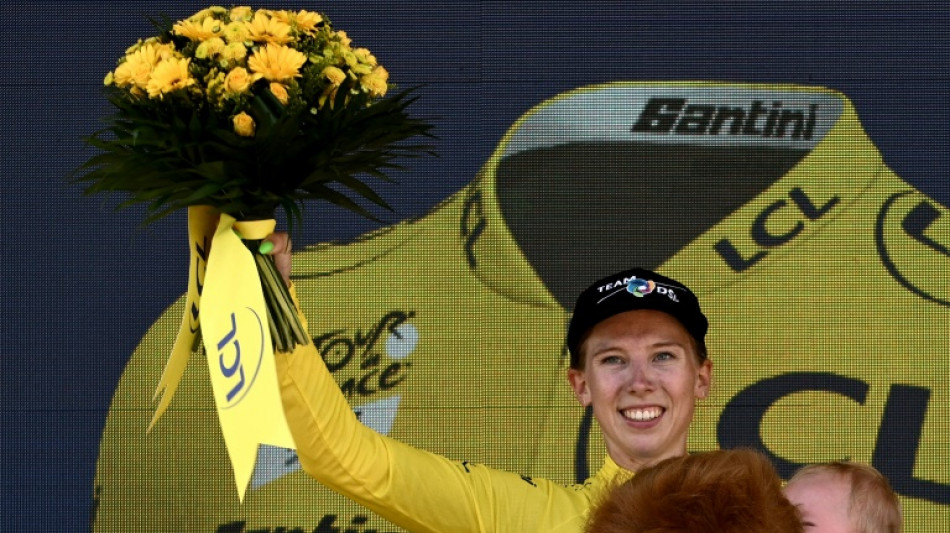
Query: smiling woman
[638,358]
[642,373]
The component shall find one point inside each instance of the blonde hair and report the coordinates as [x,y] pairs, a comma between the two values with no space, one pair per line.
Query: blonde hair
[873,506]
[726,491]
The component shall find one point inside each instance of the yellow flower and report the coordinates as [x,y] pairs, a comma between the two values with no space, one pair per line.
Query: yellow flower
[279,92]
[158,51]
[356,67]
[305,21]
[241,13]
[264,29]
[169,75]
[234,52]
[109,79]
[236,32]
[166,50]
[244,124]
[239,80]
[131,73]
[138,66]
[363,55]
[209,48]
[344,40]
[374,83]
[198,30]
[335,75]
[134,47]
[276,62]
[308,20]
[267,12]
[208,12]
[214,83]
[282,15]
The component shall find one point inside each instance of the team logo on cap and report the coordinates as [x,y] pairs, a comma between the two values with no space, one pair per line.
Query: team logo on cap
[640,287]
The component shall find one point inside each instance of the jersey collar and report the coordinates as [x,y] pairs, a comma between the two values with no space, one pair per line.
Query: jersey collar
[820,123]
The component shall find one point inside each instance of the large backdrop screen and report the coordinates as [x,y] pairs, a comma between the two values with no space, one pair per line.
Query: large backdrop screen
[787,161]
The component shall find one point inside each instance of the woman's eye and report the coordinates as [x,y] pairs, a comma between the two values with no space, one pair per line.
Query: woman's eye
[664,356]
[611,360]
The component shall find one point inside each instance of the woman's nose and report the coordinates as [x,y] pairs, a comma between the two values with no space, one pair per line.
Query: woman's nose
[641,378]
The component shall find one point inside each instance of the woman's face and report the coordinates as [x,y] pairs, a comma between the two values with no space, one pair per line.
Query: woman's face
[642,376]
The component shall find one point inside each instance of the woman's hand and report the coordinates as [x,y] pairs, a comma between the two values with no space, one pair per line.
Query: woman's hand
[281,253]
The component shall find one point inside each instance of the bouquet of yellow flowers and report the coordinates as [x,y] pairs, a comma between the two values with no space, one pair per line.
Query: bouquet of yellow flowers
[233,114]
[248,111]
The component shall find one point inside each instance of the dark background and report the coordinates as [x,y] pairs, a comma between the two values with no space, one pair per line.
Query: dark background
[82,283]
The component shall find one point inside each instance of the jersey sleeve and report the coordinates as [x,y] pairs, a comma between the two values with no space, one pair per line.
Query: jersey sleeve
[412,488]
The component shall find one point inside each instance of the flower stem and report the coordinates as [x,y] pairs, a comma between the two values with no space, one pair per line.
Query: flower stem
[285,326]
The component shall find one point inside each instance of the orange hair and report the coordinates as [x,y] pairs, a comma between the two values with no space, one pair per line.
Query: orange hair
[873,506]
[726,491]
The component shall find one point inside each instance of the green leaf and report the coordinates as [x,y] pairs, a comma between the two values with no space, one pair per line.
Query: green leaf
[363,190]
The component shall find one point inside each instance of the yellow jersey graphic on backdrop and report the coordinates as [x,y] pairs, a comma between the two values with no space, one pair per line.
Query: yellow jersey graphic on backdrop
[826,279]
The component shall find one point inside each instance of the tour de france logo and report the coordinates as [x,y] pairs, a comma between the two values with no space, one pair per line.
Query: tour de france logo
[640,287]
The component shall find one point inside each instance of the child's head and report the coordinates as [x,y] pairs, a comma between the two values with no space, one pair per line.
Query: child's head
[726,491]
[845,497]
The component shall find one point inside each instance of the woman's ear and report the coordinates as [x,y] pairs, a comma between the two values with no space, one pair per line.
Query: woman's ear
[704,379]
[578,381]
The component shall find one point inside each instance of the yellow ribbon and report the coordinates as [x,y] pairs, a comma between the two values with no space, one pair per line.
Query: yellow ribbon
[201,224]
[225,302]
